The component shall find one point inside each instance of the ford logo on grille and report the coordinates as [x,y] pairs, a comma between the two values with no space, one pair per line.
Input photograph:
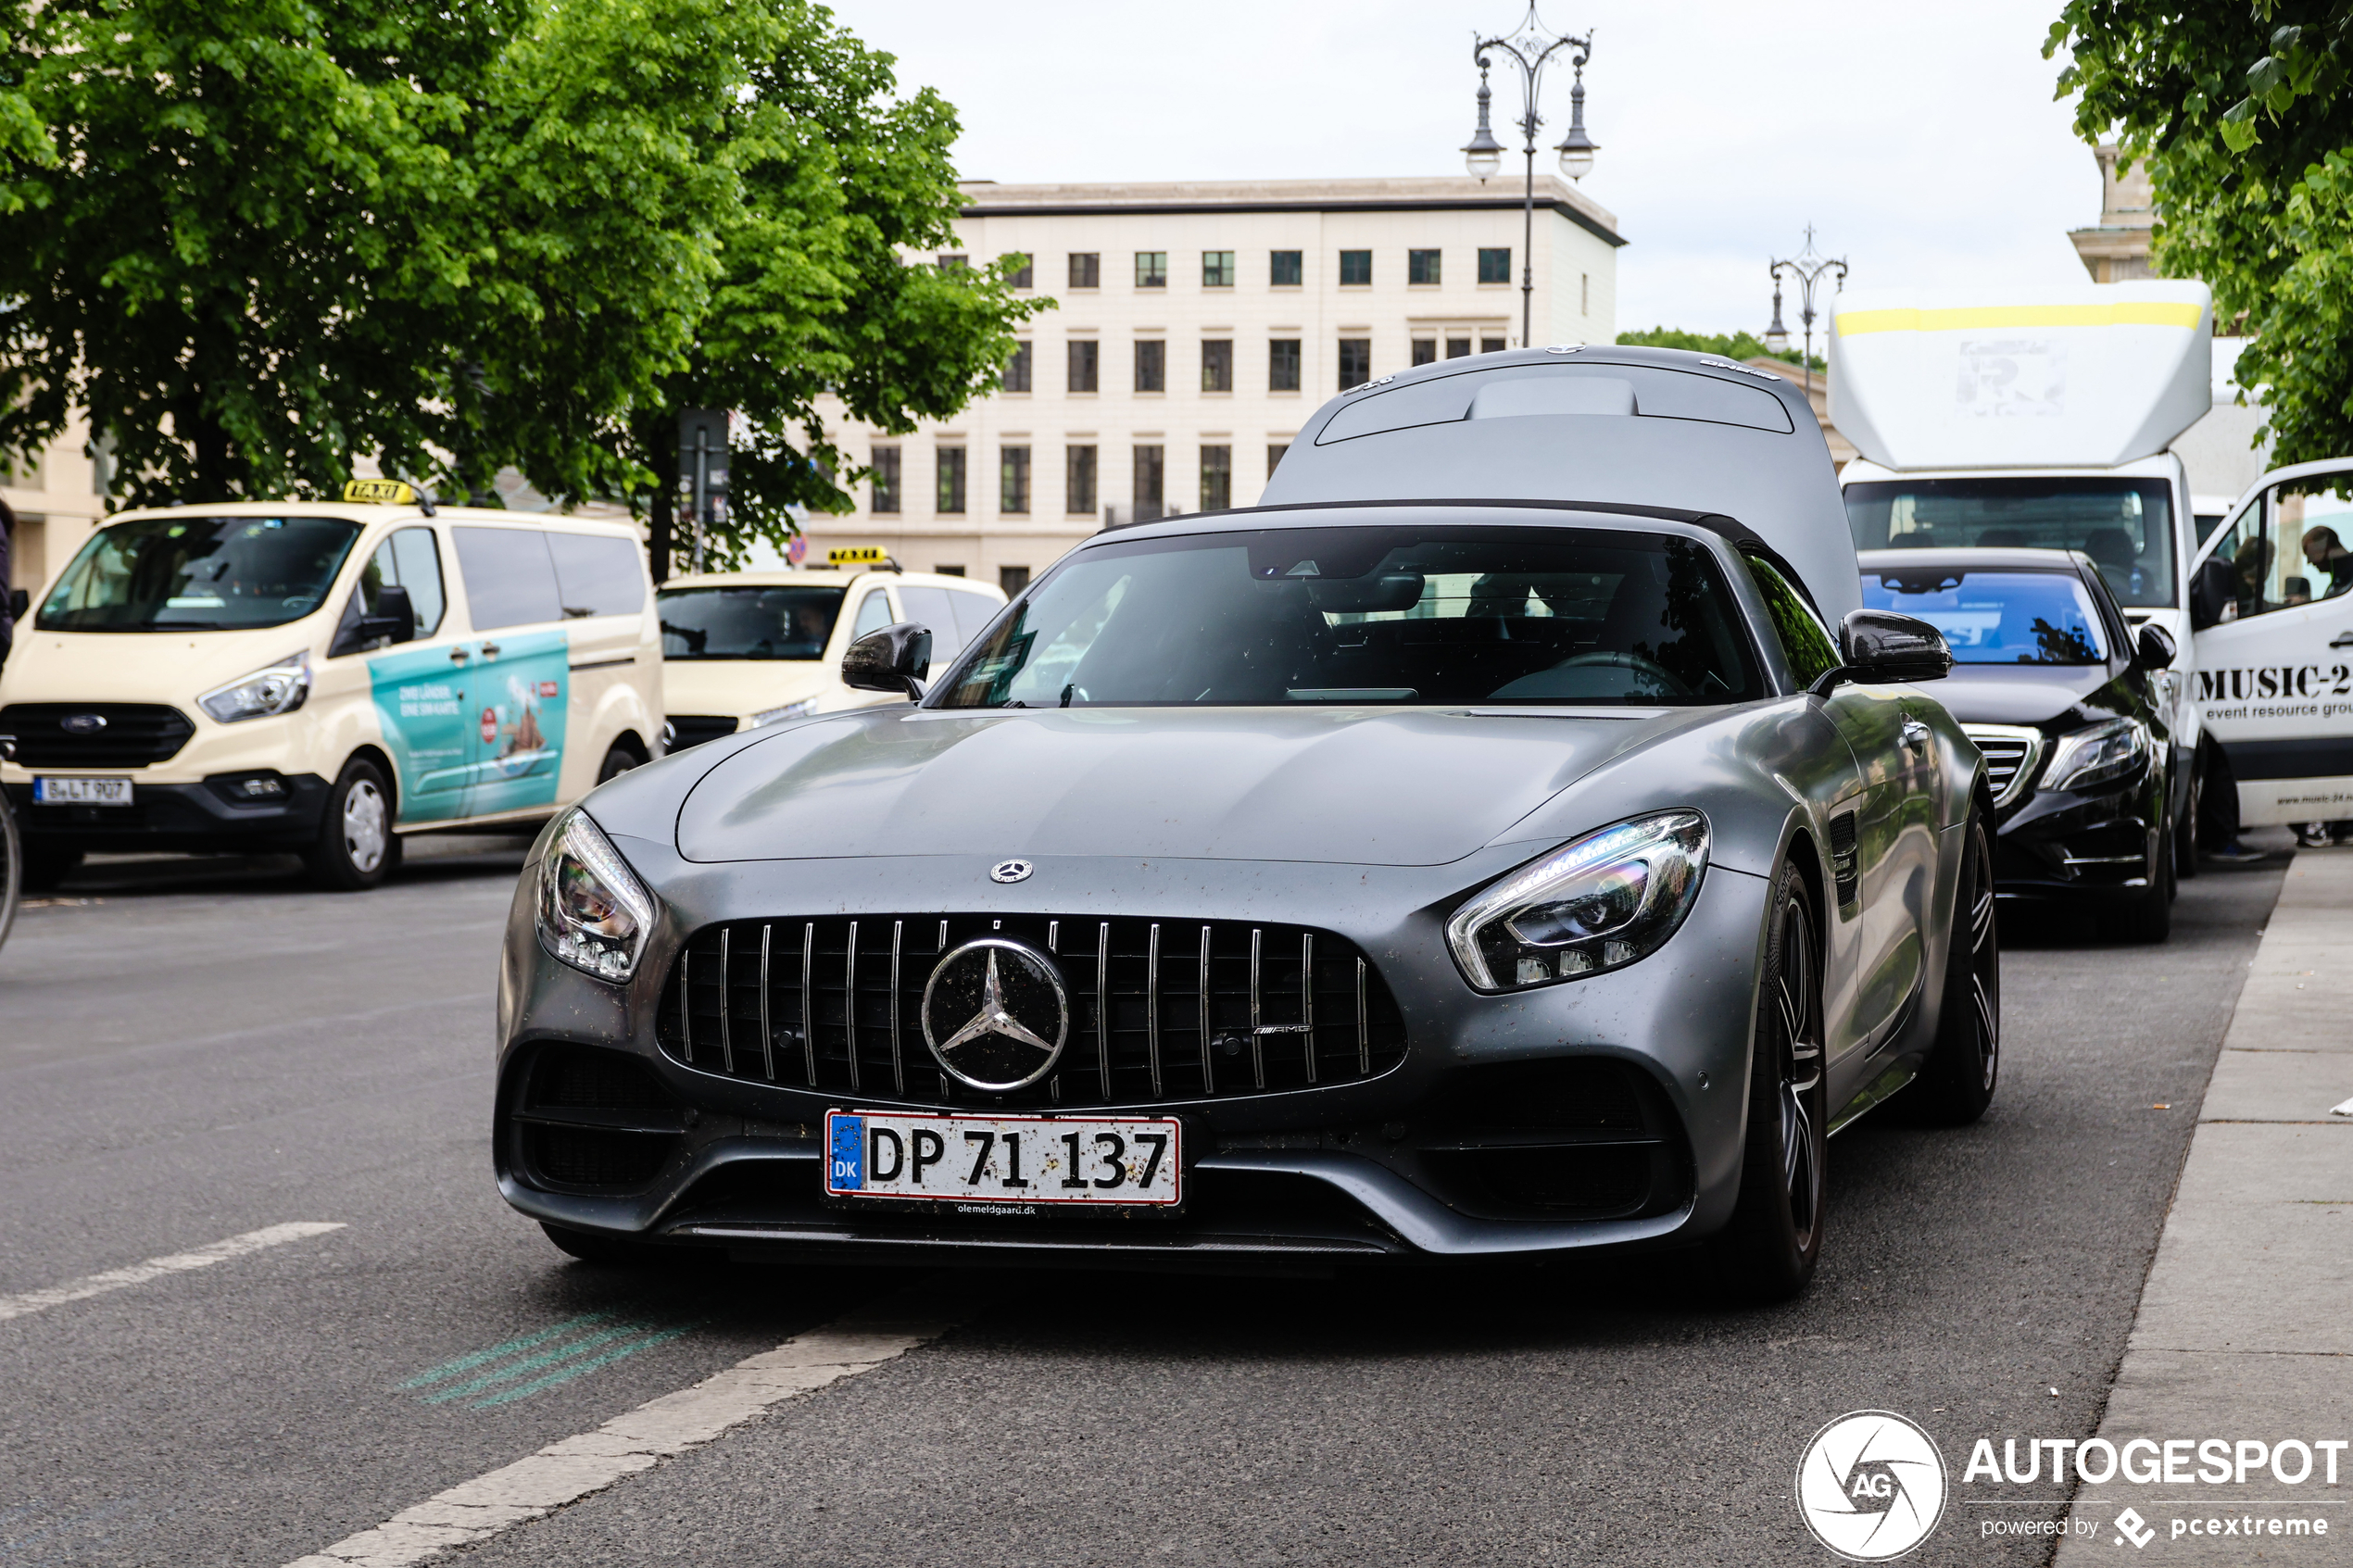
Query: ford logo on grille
[82,723]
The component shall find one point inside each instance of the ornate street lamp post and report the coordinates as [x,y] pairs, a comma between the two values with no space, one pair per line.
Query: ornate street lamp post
[1530,48]
[1808,267]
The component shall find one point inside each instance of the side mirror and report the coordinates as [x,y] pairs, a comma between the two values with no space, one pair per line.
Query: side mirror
[2213,589]
[19,603]
[2154,648]
[896,658]
[1884,648]
[395,617]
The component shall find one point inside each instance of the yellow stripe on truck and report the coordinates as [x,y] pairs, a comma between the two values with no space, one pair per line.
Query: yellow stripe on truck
[2136,313]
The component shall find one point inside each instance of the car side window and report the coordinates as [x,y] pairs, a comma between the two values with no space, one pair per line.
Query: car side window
[930,607]
[596,574]
[2311,522]
[1805,642]
[408,560]
[874,614]
[973,613]
[2246,548]
[510,577]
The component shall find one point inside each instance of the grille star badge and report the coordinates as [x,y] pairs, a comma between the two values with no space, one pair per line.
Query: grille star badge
[996,1014]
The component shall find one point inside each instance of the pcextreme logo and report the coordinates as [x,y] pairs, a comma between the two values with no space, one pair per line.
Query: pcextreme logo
[1871,1485]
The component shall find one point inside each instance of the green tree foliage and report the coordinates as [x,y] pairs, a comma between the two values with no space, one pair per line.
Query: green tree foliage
[1730,345]
[2244,116]
[258,242]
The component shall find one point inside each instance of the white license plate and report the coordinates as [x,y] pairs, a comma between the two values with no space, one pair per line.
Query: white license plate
[1005,1165]
[81,792]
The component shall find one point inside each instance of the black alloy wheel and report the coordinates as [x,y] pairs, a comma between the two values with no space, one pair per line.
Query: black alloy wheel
[355,849]
[2185,825]
[1770,1250]
[1955,1084]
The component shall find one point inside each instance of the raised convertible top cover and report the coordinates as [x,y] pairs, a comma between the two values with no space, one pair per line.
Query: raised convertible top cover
[1644,427]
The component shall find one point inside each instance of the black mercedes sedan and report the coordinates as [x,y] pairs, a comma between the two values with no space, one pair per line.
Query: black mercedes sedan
[2053,686]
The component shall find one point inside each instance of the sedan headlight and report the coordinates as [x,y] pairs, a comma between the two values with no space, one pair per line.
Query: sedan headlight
[594,913]
[282,688]
[778,715]
[1611,898]
[2104,754]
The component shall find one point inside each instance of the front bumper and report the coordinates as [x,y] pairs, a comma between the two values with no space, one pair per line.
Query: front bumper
[2097,846]
[183,817]
[1430,1160]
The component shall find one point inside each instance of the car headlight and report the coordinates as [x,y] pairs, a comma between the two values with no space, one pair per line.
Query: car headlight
[778,715]
[281,688]
[2101,755]
[594,913]
[1601,903]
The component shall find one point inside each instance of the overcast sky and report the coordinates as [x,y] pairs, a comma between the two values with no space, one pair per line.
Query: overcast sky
[1922,142]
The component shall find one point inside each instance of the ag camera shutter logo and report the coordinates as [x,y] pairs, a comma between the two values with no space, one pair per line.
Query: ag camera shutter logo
[1871,1485]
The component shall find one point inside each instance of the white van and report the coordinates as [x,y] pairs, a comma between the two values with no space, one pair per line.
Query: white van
[744,649]
[323,677]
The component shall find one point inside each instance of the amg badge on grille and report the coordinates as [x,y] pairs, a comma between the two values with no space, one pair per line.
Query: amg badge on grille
[996,1014]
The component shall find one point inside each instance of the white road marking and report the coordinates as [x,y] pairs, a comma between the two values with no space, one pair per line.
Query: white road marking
[156,1268]
[566,1472]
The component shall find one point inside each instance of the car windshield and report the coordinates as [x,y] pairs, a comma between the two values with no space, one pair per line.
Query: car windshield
[1353,615]
[1996,617]
[2125,525]
[198,574]
[747,621]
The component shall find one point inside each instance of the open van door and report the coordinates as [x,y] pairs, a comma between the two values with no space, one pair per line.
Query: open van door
[2275,644]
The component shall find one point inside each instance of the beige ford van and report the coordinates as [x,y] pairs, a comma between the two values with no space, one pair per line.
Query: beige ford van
[325,677]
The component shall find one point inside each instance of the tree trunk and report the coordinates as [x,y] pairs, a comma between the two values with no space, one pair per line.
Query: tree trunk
[662,455]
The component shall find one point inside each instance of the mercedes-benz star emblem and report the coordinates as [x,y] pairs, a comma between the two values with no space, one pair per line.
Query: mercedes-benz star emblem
[1011,871]
[996,1014]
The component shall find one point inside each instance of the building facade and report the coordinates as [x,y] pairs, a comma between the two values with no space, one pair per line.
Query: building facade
[1193,327]
[58,499]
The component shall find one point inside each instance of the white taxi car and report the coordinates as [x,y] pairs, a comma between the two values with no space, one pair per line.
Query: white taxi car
[741,649]
[324,677]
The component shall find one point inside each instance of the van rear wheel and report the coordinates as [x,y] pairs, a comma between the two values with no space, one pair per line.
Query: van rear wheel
[355,849]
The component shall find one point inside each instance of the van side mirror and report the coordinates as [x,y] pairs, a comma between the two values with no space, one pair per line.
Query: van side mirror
[19,603]
[1883,649]
[2212,591]
[395,620]
[2154,648]
[896,658]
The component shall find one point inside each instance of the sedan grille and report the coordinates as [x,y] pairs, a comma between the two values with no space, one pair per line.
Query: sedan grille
[94,735]
[693,729]
[2010,755]
[1194,1009]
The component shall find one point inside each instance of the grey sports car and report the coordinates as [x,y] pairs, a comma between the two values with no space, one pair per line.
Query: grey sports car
[1376,875]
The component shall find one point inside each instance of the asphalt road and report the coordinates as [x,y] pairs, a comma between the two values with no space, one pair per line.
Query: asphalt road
[191,1052]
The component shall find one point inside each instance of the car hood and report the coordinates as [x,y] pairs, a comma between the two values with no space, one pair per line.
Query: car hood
[1419,788]
[2024,694]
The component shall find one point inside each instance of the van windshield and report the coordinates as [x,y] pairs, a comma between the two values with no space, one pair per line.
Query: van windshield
[2125,525]
[198,574]
[747,621]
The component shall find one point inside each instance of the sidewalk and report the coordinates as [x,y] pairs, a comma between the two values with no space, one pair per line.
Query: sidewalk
[2246,1325]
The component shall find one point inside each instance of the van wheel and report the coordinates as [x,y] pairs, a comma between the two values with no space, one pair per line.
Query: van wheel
[2186,827]
[356,848]
[45,867]
[1768,1251]
[1955,1084]
[617,760]
[2148,916]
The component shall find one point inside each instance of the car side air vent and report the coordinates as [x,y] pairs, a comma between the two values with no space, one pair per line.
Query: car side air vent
[1843,865]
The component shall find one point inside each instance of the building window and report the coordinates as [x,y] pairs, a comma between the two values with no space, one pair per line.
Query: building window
[952,481]
[1491,345]
[1284,267]
[954,263]
[1013,480]
[1078,479]
[1023,277]
[1457,347]
[1274,451]
[1495,264]
[1152,269]
[1150,469]
[1282,364]
[1218,363]
[1217,268]
[885,462]
[1017,369]
[1584,294]
[1355,361]
[1086,269]
[1421,266]
[1151,365]
[1356,269]
[1013,579]
[1216,478]
[949,570]
[1425,351]
[1086,359]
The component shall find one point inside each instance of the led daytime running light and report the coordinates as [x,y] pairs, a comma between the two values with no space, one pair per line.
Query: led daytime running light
[594,913]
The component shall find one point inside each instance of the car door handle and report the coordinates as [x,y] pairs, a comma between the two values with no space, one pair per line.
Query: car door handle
[2342,639]
[459,656]
[1915,734]
[490,650]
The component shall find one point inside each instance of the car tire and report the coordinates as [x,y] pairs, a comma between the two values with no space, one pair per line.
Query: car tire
[356,848]
[591,1247]
[2185,825]
[1955,1084]
[46,866]
[617,760]
[2148,916]
[1770,1250]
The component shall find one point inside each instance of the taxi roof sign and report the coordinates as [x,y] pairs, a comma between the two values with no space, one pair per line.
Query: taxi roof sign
[380,492]
[857,555]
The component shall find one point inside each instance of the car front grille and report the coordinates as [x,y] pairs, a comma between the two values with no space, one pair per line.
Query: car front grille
[693,729]
[132,734]
[1195,1009]
[2010,755]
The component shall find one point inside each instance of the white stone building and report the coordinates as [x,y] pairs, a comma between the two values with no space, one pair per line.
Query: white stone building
[58,499]
[1194,327]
